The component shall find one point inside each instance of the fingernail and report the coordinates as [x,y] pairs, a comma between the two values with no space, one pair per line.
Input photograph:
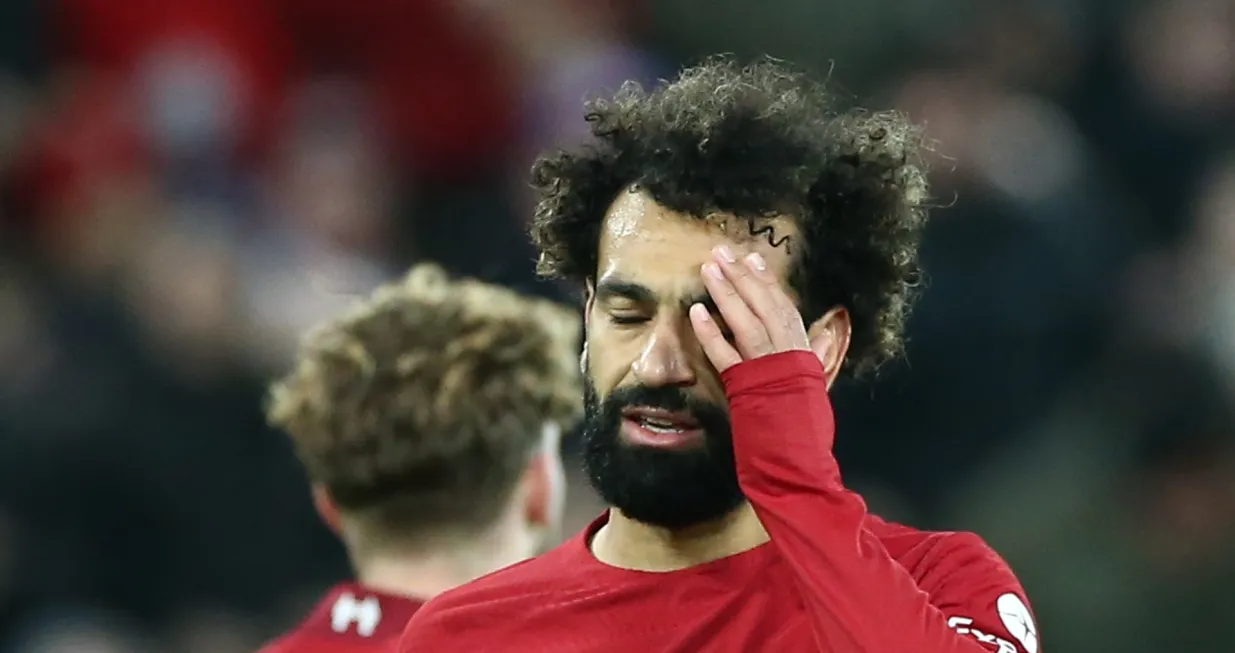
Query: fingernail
[756,262]
[726,253]
[713,270]
[701,312]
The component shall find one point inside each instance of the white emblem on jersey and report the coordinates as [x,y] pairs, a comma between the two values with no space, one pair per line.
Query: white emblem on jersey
[964,626]
[366,614]
[1018,621]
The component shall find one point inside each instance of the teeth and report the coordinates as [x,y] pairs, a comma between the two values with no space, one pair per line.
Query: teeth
[660,427]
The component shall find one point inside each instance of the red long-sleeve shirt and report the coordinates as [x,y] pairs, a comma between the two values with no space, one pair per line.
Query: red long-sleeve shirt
[349,619]
[833,578]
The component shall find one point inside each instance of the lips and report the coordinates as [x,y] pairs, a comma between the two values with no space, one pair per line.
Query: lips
[661,429]
[659,420]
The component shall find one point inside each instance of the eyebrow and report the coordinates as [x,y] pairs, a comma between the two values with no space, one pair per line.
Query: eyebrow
[619,288]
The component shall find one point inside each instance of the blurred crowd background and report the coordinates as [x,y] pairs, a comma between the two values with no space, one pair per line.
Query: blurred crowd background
[188,184]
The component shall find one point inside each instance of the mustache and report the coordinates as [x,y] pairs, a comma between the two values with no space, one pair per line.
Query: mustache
[671,399]
[665,398]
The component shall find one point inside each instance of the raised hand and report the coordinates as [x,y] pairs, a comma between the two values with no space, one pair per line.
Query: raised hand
[761,316]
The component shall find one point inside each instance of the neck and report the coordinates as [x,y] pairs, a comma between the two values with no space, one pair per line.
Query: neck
[425,572]
[421,577]
[629,544]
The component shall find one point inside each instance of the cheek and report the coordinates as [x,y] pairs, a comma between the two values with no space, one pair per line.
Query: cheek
[710,388]
[708,385]
[609,357]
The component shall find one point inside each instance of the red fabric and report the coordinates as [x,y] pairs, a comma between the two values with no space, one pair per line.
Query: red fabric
[86,138]
[445,89]
[832,579]
[115,37]
[349,619]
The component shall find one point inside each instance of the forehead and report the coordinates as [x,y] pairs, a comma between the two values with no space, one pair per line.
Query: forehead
[663,249]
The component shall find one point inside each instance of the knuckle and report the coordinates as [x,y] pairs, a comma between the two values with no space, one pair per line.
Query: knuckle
[758,343]
[768,313]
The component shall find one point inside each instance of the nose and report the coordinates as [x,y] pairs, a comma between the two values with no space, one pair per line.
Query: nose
[664,359]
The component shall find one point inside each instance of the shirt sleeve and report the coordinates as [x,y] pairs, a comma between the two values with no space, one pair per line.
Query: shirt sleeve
[859,598]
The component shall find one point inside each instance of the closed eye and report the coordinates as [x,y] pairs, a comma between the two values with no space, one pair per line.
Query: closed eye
[627,319]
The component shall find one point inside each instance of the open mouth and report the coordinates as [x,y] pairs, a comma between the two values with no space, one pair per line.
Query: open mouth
[660,428]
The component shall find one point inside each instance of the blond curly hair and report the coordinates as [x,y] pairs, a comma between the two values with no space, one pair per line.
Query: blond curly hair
[420,408]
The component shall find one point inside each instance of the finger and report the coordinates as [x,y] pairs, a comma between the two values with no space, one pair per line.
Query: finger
[763,294]
[712,339]
[748,331]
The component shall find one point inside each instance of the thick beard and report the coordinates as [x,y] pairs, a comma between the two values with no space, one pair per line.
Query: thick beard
[670,489]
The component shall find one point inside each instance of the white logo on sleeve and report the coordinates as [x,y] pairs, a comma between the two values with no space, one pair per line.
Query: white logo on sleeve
[1016,618]
[366,614]
[964,626]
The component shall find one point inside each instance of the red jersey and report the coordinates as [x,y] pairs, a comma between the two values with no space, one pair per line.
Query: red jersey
[349,619]
[832,578]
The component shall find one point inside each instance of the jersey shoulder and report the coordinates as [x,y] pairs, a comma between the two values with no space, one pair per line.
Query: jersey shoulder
[937,559]
[302,642]
[966,580]
[350,618]
[498,605]
[305,645]
[547,574]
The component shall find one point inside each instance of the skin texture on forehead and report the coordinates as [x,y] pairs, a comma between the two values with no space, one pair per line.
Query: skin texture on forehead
[641,237]
[660,251]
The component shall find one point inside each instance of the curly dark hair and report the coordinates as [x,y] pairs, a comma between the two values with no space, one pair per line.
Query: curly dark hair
[756,141]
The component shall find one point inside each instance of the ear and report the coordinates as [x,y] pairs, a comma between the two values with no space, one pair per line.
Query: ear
[544,482]
[829,339]
[589,301]
[327,509]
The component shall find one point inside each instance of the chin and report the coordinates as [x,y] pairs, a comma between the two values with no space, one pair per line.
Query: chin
[670,488]
[684,518]
[660,456]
